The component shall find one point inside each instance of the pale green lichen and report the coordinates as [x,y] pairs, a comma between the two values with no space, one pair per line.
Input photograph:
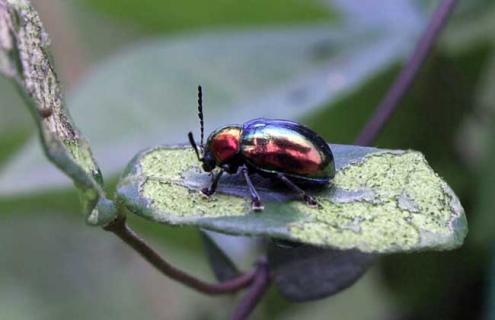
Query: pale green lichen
[181,202]
[384,222]
[380,202]
[167,164]
[163,170]
[358,225]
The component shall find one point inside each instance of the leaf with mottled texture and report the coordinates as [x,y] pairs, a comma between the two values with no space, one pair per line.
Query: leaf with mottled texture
[379,201]
[305,273]
[24,60]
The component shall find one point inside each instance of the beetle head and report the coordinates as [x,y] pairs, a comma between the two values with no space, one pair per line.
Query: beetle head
[208,161]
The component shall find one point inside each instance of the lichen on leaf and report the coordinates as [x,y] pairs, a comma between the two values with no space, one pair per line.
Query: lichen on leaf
[379,201]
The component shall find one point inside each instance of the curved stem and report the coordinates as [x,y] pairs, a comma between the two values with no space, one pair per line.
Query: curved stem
[258,288]
[406,77]
[120,228]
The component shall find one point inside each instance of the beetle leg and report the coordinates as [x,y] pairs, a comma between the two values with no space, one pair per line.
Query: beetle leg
[256,204]
[294,187]
[213,187]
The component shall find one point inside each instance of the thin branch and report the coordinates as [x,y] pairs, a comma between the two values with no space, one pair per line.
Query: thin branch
[255,293]
[120,228]
[406,77]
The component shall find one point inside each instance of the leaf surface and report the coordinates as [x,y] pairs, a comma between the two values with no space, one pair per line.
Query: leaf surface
[307,273]
[379,201]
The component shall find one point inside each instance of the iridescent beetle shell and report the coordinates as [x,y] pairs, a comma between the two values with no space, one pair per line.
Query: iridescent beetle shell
[283,150]
[273,146]
[224,143]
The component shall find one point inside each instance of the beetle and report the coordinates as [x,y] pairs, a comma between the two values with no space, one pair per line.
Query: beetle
[279,149]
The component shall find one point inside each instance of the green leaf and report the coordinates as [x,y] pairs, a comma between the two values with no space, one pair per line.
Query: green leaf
[24,60]
[168,15]
[379,201]
[307,273]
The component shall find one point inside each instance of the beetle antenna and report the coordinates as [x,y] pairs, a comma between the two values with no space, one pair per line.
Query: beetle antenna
[193,144]
[200,115]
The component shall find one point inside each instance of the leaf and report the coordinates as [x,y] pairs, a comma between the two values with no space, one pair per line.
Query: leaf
[221,264]
[379,201]
[166,16]
[307,273]
[365,300]
[24,59]
[277,72]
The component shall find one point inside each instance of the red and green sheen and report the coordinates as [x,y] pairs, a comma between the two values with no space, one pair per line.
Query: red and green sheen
[224,143]
[275,146]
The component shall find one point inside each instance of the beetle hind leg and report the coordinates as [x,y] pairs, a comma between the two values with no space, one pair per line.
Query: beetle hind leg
[256,203]
[311,201]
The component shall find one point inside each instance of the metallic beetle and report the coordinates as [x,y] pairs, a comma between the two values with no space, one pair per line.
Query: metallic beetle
[278,149]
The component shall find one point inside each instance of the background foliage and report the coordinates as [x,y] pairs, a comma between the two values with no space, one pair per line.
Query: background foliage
[325,63]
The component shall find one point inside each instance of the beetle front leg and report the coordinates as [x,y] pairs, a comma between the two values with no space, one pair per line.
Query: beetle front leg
[256,204]
[294,187]
[213,187]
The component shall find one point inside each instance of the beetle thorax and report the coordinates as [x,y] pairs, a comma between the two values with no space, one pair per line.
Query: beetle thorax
[224,143]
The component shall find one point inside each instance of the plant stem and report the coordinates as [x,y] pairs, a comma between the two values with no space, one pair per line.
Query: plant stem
[256,291]
[120,228]
[406,77]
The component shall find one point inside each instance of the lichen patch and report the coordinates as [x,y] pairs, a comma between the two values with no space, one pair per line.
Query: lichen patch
[180,202]
[379,202]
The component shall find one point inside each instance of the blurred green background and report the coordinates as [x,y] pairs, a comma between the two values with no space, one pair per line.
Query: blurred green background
[130,69]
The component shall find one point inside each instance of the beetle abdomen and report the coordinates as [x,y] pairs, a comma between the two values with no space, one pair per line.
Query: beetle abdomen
[287,147]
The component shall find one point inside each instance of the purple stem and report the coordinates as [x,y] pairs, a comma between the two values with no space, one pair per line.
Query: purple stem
[257,289]
[120,228]
[406,77]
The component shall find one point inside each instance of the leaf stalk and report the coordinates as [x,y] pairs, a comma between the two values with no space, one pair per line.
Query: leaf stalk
[120,228]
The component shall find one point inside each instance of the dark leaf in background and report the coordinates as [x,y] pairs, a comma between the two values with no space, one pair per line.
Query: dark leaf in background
[438,285]
[305,273]
[221,264]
